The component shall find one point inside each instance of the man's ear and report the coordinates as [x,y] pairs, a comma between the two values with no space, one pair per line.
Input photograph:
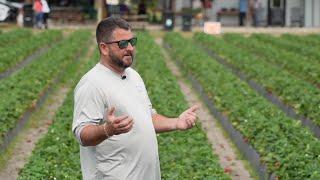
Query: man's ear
[104,49]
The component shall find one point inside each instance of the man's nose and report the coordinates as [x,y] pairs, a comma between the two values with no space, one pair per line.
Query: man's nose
[130,47]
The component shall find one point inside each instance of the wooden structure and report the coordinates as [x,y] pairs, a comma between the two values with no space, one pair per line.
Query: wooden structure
[227,12]
[137,21]
[67,14]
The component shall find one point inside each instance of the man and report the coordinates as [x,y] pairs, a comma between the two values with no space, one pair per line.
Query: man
[113,116]
[243,6]
[257,8]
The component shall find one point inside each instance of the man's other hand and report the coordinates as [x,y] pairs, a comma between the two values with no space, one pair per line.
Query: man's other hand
[187,119]
[118,125]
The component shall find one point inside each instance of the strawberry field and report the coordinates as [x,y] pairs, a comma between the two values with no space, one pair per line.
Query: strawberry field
[263,88]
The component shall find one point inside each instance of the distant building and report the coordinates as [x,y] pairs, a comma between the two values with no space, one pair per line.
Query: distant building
[304,13]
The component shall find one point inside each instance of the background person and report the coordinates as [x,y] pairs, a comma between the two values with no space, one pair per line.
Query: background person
[243,7]
[46,11]
[37,8]
[257,8]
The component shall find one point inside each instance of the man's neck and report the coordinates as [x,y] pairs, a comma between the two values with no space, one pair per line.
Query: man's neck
[113,68]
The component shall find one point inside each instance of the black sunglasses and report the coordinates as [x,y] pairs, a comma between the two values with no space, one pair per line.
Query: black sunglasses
[124,43]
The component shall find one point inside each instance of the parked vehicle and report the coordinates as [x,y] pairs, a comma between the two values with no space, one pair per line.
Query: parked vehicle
[9,10]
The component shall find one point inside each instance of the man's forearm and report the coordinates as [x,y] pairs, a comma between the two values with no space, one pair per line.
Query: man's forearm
[92,135]
[164,124]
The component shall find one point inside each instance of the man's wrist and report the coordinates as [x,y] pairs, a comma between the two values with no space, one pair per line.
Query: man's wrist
[176,127]
[107,130]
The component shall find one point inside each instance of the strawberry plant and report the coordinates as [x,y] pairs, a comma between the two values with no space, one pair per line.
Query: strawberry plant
[12,55]
[13,37]
[308,51]
[56,155]
[288,149]
[292,62]
[312,40]
[296,93]
[21,91]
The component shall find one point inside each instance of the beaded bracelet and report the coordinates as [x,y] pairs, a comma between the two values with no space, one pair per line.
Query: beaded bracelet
[105,129]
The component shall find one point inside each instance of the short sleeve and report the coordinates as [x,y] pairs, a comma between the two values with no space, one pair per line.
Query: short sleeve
[145,92]
[89,107]
[152,110]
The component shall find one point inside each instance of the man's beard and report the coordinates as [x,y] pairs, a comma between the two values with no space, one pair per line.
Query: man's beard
[119,62]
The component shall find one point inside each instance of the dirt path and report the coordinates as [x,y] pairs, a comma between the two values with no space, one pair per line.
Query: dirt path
[31,136]
[39,123]
[220,144]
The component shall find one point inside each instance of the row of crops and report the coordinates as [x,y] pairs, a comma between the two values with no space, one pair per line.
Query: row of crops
[17,45]
[21,91]
[303,96]
[305,46]
[294,62]
[57,154]
[289,150]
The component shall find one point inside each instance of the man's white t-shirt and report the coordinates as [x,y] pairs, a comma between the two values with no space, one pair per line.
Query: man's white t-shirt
[132,155]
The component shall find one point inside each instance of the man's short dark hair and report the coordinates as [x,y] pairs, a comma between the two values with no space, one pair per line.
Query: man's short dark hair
[106,27]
